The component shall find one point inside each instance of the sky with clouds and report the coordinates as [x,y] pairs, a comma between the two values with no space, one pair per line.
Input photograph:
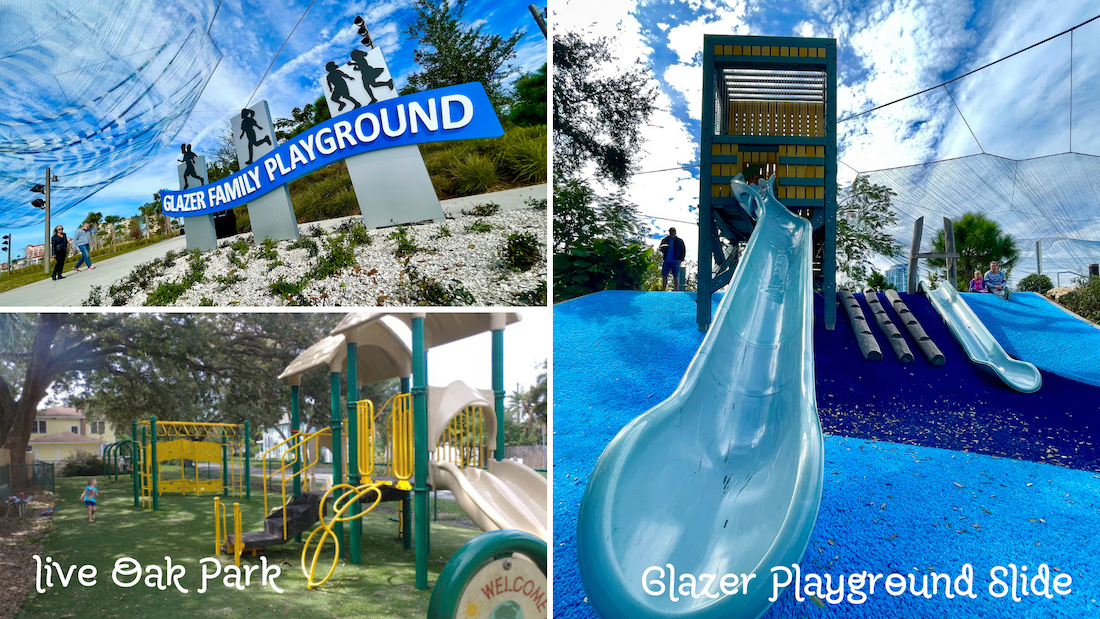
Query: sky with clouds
[248,34]
[887,49]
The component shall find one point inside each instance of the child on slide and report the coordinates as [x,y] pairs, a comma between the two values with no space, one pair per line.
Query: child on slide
[978,283]
[91,492]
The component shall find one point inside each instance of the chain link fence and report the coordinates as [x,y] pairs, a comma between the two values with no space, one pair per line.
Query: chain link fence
[36,477]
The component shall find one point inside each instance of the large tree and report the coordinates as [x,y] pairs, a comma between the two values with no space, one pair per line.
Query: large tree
[39,349]
[179,367]
[863,216]
[530,106]
[979,241]
[598,114]
[451,52]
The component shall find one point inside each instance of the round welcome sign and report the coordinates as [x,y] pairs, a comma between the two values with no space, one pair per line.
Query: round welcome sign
[506,588]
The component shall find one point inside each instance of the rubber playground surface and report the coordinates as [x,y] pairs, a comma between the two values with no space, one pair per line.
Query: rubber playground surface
[927,469]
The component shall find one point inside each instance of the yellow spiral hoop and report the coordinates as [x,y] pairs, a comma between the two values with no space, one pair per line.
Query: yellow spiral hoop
[339,506]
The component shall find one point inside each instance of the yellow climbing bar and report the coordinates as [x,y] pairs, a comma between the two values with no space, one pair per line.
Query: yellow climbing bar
[339,506]
[365,410]
[399,441]
[238,546]
[293,445]
[221,533]
[463,440]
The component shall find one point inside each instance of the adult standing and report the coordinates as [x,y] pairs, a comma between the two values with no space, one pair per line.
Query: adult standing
[59,247]
[675,251]
[82,239]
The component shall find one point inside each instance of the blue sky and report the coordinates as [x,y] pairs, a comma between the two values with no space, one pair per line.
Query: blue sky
[886,49]
[247,34]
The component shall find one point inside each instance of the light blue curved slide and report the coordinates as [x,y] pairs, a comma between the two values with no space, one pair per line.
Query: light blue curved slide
[724,477]
[980,345]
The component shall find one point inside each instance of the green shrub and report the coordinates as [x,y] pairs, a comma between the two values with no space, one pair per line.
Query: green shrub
[475,174]
[478,227]
[336,258]
[483,210]
[1084,300]
[521,251]
[427,290]
[1035,283]
[607,265]
[306,243]
[406,246]
[526,160]
[81,464]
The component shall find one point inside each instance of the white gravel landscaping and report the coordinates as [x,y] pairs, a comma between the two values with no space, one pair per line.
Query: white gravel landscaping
[451,263]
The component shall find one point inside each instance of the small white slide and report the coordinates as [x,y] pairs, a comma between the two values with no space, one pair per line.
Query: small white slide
[980,345]
[507,495]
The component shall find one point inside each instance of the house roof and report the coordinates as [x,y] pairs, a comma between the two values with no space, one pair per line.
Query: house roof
[61,412]
[65,437]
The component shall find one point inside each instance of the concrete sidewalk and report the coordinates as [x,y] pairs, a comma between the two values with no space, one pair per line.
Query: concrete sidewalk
[74,289]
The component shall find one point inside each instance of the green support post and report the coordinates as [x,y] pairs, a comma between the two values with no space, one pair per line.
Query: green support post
[225,464]
[295,426]
[135,462]
[154,468]
[498,388]
[337,453]
[246,478]
[420,450]
[406,503]
[356,528]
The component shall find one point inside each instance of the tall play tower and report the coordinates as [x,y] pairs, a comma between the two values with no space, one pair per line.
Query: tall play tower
[769,105]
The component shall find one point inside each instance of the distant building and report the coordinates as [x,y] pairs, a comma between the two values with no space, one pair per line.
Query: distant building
[60,431]
[898,275]
[35,252]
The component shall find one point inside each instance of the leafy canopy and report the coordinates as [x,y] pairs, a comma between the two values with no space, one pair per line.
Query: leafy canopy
[598,116]
[862,219]
[451,52]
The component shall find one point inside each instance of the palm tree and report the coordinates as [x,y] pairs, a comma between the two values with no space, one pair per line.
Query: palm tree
[112,221]
[94,219]
[979,241]
[148,211]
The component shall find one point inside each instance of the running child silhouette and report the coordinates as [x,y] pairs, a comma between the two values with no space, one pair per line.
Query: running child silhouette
[370,74]
[249,126]
[188,160]
[89,496]
[337,80]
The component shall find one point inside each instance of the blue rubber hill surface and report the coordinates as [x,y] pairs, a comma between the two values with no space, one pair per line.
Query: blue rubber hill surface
[1031,328]
[886,507]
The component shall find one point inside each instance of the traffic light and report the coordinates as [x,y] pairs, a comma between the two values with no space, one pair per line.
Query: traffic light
[5,242]
[38,189]
[363,32]
[38,203]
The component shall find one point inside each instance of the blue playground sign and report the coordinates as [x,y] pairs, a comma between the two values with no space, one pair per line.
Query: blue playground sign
[453,113]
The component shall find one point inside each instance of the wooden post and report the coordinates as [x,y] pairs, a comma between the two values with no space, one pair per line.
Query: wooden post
[949,247]
[914,251]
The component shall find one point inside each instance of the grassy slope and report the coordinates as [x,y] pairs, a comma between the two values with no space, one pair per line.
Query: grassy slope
[184,530]
[512,159]
[36,272]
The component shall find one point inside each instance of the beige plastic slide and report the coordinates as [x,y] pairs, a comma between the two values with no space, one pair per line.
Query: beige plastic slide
[508,495]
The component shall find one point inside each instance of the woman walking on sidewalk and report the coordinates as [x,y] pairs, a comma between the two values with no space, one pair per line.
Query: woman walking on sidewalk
[59,247]
[82,239]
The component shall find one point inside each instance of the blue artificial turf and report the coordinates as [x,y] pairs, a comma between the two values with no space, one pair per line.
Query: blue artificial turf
[1032,328]
[885,507]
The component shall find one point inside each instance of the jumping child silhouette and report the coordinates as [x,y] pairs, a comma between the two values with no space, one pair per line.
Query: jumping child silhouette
[370,74]
[337,81]
[189,158]
[249,126]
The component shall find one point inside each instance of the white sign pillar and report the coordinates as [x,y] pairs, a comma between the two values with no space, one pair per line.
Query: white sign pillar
[392,186]
[272,214]
[199,230]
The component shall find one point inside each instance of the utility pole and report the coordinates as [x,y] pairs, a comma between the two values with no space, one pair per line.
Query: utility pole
[45,204]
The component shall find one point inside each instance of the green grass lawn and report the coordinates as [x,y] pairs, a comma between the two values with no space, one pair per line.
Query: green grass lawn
[184,530]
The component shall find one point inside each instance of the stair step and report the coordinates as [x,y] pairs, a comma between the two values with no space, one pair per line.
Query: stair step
[258,539]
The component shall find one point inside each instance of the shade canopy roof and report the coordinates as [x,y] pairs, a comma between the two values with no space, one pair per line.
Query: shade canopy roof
[439,328]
